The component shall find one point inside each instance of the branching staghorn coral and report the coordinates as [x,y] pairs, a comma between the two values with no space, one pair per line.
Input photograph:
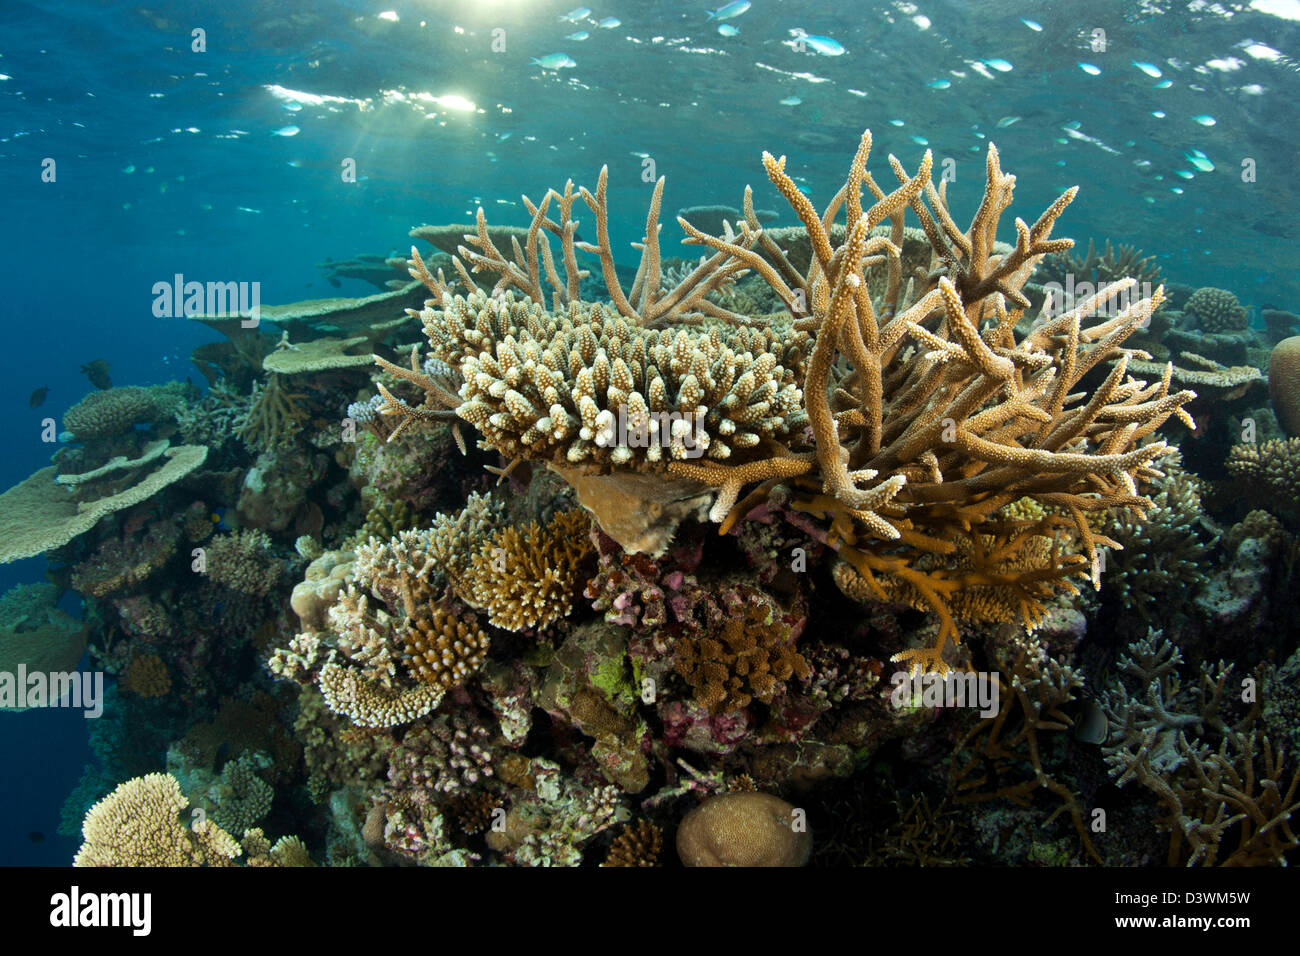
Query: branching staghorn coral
[927,415]
[1219,781]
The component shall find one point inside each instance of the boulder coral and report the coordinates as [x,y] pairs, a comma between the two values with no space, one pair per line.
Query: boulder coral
[743,829]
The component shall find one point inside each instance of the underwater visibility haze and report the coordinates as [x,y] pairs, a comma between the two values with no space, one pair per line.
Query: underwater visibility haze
[515,433]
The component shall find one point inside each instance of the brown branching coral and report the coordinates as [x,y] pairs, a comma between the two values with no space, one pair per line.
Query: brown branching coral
[443,649]
[527,577]
[750,657]
[1101,268]
[147,676]
[638,844]
[242,561]
[928,395]
[274,416]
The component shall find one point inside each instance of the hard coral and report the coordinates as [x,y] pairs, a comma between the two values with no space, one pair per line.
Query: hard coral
[743,829]
[527,577]
[1217,309]
[750,657]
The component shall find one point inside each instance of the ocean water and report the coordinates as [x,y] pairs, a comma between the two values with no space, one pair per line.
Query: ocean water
[251,142]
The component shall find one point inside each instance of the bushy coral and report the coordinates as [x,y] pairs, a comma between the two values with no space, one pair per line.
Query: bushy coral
[1217,309]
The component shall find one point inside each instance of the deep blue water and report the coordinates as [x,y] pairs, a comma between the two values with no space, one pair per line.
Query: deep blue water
[169,161]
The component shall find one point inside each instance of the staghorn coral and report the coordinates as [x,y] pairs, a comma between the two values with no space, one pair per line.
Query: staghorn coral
[927,413]
[1217,310]
[1111,265]
[274,416]
[1002,758]
[1219,781]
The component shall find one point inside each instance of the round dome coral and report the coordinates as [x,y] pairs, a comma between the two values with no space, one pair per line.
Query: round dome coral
[743,829]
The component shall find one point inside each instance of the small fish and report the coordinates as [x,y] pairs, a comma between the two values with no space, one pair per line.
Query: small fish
[791,101]
[1164,84]
[895,122]
[1200,161]
[939,84]
[573,16]
[610,23]
[1090,69]
[1158,114]
[293,106]
[1204,120]
[999,64]
[727,30]
[97,371]
[1185,173]
[825,46]
[555,61]
[1150,69]
[38,397]
[920,141]
[286,131]
[1036,27]
[1008,121]
[580,35]
[129,170]
[733,9]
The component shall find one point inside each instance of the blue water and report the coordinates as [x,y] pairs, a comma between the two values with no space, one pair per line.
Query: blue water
[169,161]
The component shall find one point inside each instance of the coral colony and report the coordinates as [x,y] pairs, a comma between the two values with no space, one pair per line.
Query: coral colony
[529,560]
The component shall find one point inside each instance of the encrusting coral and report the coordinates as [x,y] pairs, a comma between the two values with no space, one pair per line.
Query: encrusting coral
[927,414]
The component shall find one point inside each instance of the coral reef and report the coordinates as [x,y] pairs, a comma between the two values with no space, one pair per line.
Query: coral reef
[658,596]
[945,419]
